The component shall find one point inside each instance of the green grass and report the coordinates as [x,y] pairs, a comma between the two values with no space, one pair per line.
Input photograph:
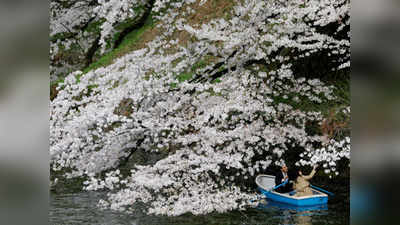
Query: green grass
[95,27]
[109,57]
[181,78]
[216,81]
[190,72]
[130,39]
[62,35]
[185,76]
[199,64]
[122,26]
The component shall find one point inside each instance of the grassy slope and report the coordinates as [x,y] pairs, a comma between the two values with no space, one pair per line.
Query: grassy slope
[129,41]
[204,13]
[137,39]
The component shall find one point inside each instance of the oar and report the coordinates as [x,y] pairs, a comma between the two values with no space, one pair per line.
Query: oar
[320,189]
[279,185]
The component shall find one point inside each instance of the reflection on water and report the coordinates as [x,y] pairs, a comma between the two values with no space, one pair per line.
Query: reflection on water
[299,215]
[80,208]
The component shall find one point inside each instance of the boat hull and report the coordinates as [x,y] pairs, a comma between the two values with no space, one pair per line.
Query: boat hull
[284,206]
[297,201]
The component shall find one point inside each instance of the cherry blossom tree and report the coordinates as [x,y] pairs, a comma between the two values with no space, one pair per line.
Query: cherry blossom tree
[233,118]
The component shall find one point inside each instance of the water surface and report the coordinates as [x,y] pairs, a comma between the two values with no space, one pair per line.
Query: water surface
[80,208]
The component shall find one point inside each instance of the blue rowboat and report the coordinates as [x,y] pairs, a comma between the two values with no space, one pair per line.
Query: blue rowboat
[266,184]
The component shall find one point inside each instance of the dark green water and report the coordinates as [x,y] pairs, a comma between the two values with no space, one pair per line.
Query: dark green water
[80,208]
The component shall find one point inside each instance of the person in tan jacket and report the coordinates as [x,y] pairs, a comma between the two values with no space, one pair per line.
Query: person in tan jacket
[302,184]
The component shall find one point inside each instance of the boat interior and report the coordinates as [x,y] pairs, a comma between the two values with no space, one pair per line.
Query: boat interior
[267,182]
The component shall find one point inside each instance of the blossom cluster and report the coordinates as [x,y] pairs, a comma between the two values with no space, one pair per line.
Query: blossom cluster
[216,132]
[80,26]
[66,20]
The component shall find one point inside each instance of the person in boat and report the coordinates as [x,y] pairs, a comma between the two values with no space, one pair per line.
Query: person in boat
[281,177]
[302,184]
